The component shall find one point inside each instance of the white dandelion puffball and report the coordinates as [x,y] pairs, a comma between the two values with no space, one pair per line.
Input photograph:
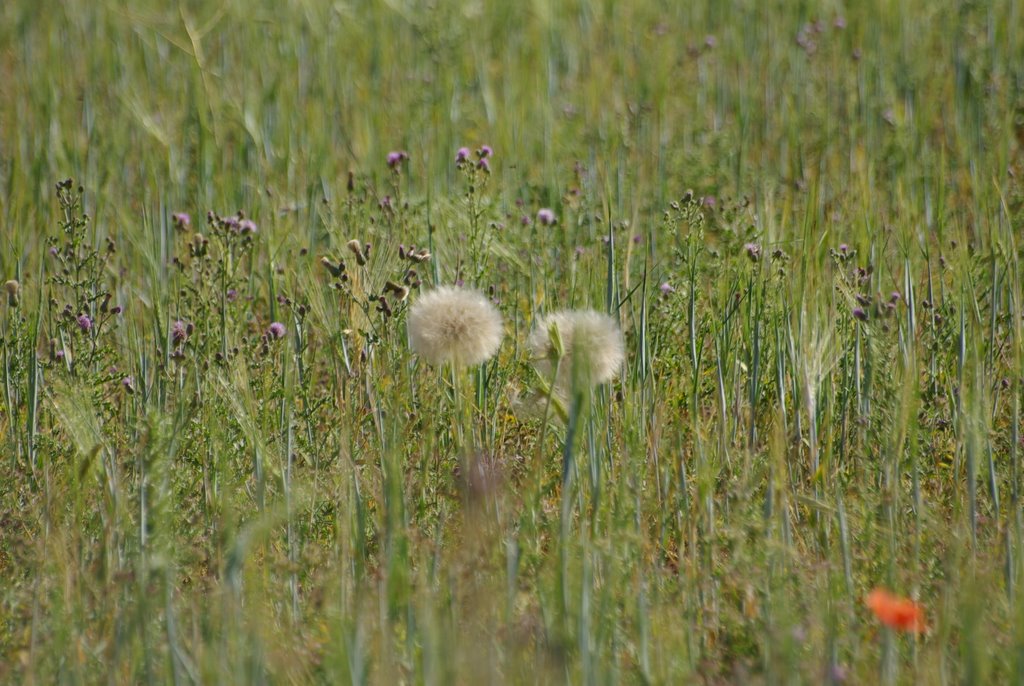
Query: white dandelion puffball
[591,341]
[454,325]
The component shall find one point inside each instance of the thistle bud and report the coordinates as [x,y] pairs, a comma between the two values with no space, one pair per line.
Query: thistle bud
[13,289]
[357,250]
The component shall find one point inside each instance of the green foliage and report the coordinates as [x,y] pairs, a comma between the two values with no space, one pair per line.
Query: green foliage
[220,461]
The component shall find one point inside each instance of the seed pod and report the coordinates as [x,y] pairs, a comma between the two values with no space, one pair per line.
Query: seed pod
[357,250]
[334,270]
[13,289]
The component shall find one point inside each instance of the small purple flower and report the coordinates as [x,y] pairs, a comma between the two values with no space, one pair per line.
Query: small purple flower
[117,310]
[525,220]
[53,251]
[545,217]
[396,157]
[484,165]
[84,323]
[666,289]
[276,330]
[637,239]
[840,22]
[181,220]
[860,314]
[231,295]
[59,354]
[895,297]
[128,383]
[246,226]
[461,155]
[753,251]
[484,152]
[385,203]
[179,332]
[844,248]
[710,42]
[233,224]
[710,201]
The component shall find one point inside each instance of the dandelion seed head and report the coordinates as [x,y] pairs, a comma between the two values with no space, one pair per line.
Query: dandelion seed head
[454,325]
[592,343]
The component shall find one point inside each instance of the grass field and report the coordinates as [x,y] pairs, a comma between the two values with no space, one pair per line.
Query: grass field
[221,461]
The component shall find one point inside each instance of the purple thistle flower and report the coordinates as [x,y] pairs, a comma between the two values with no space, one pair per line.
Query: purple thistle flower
[179,332]
[276,330]
[128,383]
[53,251]
[59,354]
[710,201]
[666,289]
[484,152]
[545,217]
[525,220]
[84,322]
[484,165]
[753,251]
[231,295]
[396,157]
[844,248]
[117,310]
[181,220]
[461,155]
[247,226]
[895,297]
[860,314]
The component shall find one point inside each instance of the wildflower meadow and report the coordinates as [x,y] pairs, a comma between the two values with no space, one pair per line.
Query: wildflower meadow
[541,342]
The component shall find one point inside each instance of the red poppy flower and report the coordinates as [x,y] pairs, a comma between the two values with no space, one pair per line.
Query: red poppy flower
[901,614]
